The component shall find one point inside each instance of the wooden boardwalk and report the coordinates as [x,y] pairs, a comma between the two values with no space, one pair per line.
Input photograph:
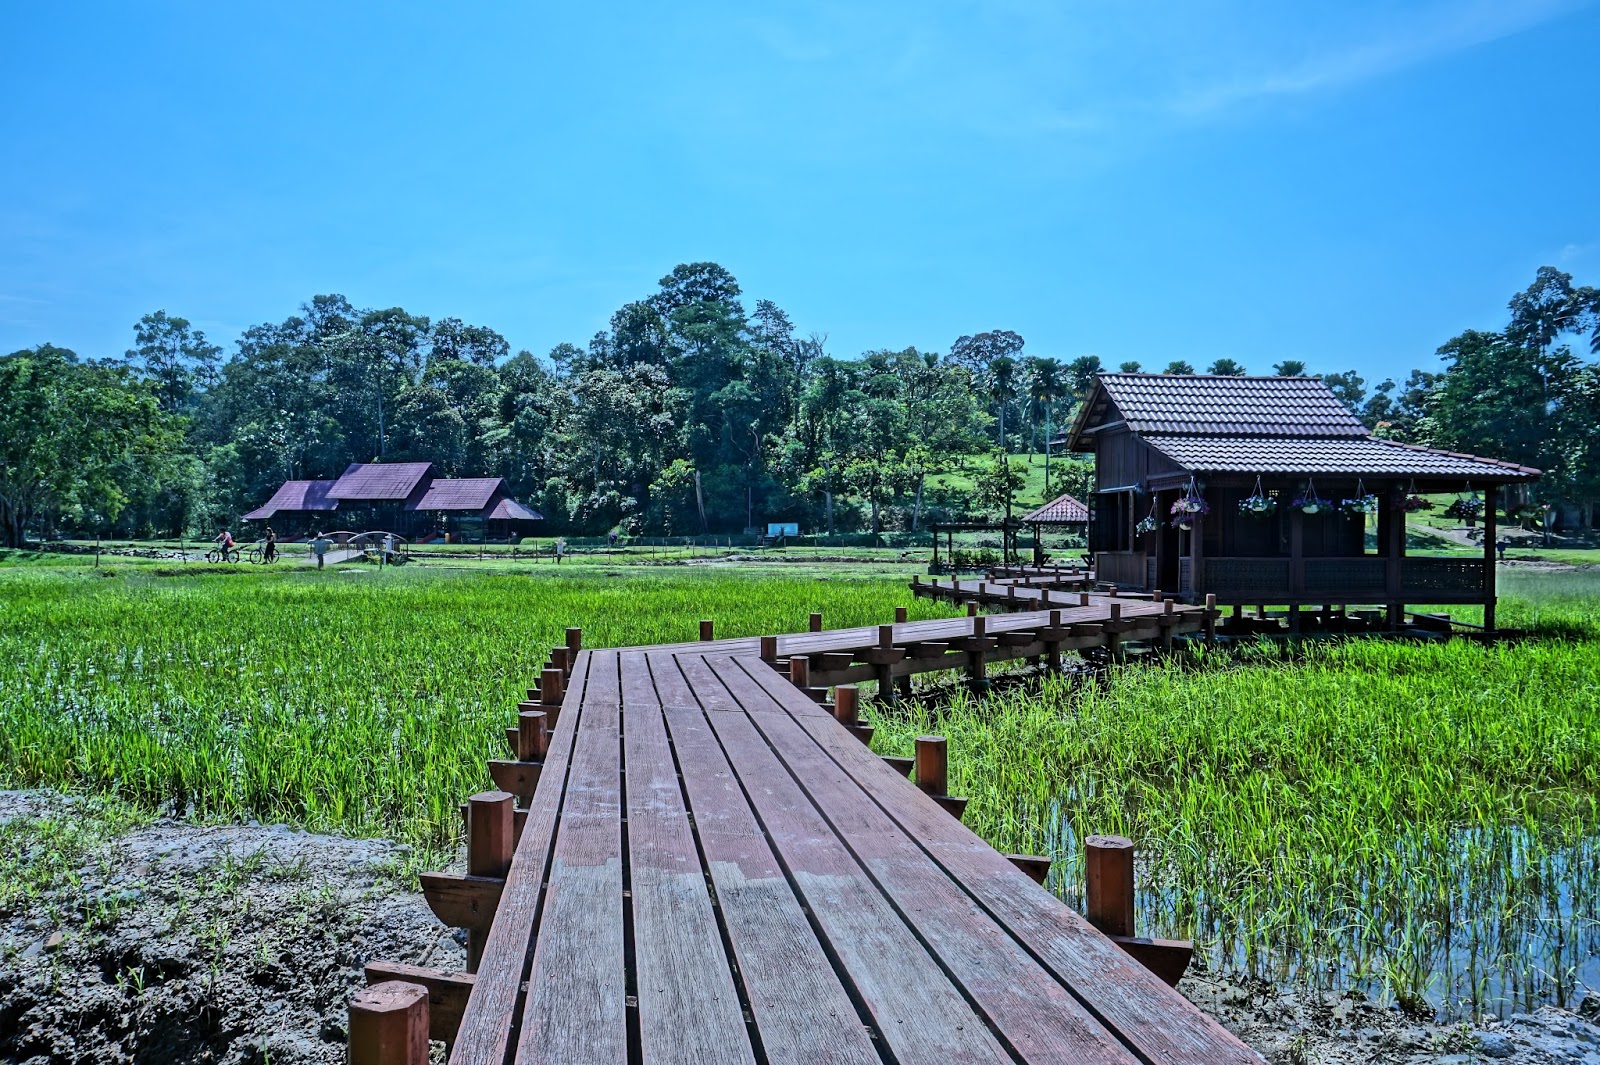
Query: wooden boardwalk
[711,866]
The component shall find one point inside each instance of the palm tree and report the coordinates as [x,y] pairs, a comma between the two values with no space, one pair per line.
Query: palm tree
[1046,385]
[1003,388]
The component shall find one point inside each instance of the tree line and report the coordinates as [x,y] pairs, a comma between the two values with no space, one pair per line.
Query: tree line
[689,413]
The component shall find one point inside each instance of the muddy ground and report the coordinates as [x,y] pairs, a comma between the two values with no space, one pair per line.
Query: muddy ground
[169,942]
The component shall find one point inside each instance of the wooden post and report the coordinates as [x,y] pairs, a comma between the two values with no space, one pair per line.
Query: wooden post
[574,643]
[1108,884]
[769,650]
[816,622]
[977,659]
[1113,637]
[1211,617]
[883,671]
[559,659]
[389,1024]
[933,765]
[972,610]
[899,615]
[846,704]
[489,849]
[1083,598]
[1490,532]
[552,682]
[533,736]
[705,631]
[800,671]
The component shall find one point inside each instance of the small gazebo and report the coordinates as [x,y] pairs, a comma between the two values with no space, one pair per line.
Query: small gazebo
[1063,511]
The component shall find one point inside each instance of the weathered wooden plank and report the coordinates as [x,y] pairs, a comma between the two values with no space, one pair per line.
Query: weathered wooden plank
[1126,997]
[688,1008]
[800,1007]
[1026,1003]
[486,1023]
[918,1013]
[577,989]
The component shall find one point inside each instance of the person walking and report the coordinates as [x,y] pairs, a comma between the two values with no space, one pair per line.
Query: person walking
[319,547]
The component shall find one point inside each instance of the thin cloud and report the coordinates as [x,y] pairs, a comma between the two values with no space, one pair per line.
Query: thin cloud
[1442,31]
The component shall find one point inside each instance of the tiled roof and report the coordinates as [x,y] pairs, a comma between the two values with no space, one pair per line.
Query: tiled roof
[1364,456]
[1228,406]
[379,481]
[463,493]
[1062,510]
[296,496]
[511,510]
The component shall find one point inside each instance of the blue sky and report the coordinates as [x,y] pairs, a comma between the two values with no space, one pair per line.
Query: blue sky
[1345,183]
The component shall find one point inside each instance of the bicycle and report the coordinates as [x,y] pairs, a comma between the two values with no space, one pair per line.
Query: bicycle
[219,554]
[258,556]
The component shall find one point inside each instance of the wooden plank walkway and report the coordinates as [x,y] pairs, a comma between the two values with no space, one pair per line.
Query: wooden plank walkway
[714,869]
[711,866]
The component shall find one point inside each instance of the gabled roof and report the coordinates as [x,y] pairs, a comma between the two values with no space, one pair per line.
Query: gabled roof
[511,510]
[460,493]
[1062,510]
[1356,457]
[379,481]
[1200,404]
[296,496]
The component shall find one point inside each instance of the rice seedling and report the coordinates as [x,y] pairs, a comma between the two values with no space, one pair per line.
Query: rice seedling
[365,704]
[1419,820]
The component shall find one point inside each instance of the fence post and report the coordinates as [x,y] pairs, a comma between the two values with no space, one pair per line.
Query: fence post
[933,765]
[1108,884]
[389,1024]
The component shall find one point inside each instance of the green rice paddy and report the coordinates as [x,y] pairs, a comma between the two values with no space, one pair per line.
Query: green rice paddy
[1415,819]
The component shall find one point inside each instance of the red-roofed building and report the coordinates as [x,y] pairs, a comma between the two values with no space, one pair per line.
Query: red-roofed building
[1286,480]
[294,500]
[402,497]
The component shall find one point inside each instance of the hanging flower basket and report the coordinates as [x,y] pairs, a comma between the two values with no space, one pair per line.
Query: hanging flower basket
[1362,503]
[1188,509]
[1308,502]
[1413,503]
[1147,525]
[1469,509]
[1258,504]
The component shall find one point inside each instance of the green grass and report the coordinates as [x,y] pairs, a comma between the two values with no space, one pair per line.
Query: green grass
[364,702]
[1032,494]
[1419,819]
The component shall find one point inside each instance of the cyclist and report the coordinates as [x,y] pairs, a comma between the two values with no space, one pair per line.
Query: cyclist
[225,542]
[270,552]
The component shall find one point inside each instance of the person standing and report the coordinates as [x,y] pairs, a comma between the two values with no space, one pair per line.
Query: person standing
[319,547]
[270,551]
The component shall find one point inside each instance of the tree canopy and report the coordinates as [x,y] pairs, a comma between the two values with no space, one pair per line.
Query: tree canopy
[697,409]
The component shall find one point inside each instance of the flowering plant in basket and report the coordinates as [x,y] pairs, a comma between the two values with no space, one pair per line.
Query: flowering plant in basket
[1412,503]
[1361,505]
[1148,524]
[1258,506]
[1308,503]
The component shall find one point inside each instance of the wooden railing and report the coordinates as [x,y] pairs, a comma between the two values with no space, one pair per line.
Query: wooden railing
[1360,579]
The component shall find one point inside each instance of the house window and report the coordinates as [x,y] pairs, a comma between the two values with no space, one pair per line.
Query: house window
[1112,528]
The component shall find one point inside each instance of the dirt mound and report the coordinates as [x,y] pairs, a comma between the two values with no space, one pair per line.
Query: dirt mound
[185,943]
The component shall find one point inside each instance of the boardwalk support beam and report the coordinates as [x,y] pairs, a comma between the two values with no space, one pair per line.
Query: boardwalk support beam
[447,993]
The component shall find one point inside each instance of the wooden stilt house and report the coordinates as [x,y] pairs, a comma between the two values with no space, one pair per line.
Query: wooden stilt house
[1268,490]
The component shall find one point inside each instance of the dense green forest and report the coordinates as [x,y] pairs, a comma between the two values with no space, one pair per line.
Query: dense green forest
[690,413]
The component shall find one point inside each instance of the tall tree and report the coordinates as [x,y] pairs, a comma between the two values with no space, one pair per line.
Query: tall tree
[175,356]
[1226,368]
[72,435]
[1289,368]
